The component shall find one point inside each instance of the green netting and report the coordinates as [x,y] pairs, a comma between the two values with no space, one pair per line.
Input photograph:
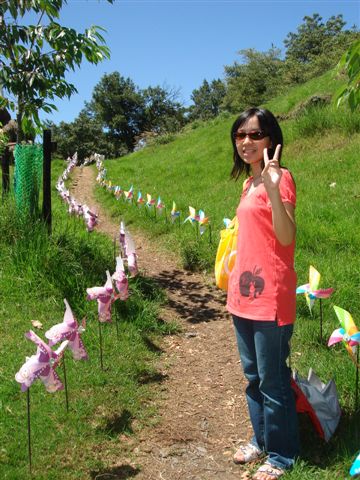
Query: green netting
[27,177]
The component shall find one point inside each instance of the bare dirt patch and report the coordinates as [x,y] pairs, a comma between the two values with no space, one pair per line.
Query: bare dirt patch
[202,408]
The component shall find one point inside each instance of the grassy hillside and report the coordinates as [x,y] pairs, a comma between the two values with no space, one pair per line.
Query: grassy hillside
[321,149]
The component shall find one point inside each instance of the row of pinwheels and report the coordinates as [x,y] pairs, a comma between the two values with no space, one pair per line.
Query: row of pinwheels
[156,206]
[348,332]
[43,364]
[74,207]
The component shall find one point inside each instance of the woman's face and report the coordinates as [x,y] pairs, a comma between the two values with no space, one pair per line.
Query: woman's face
[251,148]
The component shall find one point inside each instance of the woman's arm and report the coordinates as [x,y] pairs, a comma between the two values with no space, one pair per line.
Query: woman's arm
[283,213]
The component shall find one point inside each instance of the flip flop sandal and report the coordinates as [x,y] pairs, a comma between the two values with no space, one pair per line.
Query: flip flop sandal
[248,453]
[270,470]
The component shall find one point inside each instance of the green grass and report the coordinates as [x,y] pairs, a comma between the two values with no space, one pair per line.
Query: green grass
[321,147]
[36,273]
[327,84]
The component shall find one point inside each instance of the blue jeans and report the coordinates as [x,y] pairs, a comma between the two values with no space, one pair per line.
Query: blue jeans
[264,348]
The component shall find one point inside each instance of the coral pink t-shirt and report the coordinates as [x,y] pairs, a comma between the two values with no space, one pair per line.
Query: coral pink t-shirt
[262,283]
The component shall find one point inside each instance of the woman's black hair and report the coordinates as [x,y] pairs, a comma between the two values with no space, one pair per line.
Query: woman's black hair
[268,124]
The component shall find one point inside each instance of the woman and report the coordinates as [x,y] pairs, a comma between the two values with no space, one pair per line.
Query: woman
[261,293]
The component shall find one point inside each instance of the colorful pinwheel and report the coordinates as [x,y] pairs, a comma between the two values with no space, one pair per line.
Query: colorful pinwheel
[129,194]
[192,218]
[350,336]
[160,206]
[105,296]
[355,467]
[203,221]
[140,201]
[311,289]
[41,365]
[174,213]
[227,222]
[121,281]
[348,333]
[69,330]
[117,192]
[150,201]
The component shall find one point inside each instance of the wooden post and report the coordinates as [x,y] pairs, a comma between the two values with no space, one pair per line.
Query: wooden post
[46,207]
[5,161]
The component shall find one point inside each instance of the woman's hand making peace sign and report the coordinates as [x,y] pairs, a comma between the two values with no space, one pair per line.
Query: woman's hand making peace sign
[271,174]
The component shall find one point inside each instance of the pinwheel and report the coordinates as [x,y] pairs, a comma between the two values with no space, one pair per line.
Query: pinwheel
[72,206]
[160,205]
[105,296]
[174,213]
[131,255]
[348,333]
[203,221]
[150,201]
[140,201]
[192,218]
[129,194]
[41,365]
[350,336]
[122,236]
[69,330]
[117,192]
[90,218]
[355,467]
[227,222]
[79,209]
[121,281]
[311,291]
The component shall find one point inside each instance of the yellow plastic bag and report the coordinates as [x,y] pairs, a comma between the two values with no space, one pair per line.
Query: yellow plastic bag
[226,254]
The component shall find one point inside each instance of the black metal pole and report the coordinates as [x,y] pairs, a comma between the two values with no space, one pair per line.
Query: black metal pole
[29,430]
[321,322]
[65,382]
[5,161]
[46,208]
[357,380]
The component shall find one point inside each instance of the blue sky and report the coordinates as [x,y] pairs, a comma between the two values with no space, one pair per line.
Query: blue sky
[178,44]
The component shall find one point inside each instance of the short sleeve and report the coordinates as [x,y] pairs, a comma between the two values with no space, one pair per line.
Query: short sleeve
[287,188]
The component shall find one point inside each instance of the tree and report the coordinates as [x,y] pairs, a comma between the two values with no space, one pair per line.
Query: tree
[207,100]
[34,59]
[350,63]
[255,80]
[84,135]
[119,105]
[316,47]
[162,112]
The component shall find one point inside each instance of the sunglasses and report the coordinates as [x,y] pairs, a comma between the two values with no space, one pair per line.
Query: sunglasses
[254,135]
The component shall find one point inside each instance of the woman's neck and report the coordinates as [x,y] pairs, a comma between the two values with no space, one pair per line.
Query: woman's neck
[256,170]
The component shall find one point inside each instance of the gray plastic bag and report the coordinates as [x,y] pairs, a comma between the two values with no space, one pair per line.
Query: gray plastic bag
[320,401]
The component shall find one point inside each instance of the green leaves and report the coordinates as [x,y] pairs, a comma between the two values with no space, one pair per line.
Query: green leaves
[350,64]
[34,59]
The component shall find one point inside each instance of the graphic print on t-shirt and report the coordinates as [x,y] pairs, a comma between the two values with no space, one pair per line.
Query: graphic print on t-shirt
[251,284]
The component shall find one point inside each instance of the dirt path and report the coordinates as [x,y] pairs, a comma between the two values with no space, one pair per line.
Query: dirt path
[201,402]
